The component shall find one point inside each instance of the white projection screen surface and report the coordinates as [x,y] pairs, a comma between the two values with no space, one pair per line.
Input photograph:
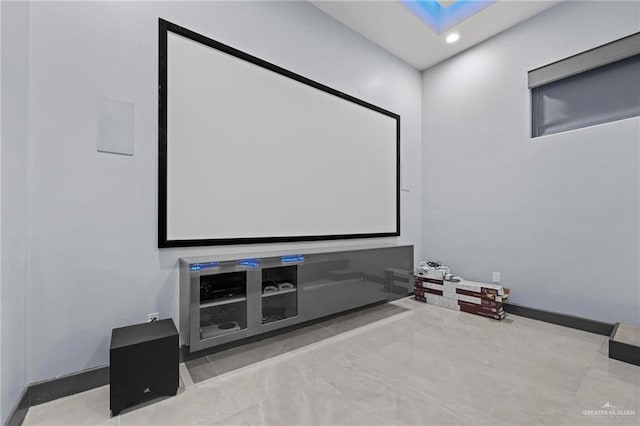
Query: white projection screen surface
[250,152]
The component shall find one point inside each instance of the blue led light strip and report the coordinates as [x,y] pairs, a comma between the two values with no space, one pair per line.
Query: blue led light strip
[292,258]
[199,266]
[252,263]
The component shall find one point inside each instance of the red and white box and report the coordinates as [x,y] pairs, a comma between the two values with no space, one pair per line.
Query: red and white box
[467,296]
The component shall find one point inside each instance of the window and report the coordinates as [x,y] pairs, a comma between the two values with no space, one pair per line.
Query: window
[594,87]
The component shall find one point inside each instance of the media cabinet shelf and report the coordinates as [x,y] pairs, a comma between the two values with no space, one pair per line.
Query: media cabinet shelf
[222,301]
[265,322]
[279,292]
[326,281]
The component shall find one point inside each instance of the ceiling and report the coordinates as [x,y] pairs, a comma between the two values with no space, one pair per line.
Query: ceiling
[391,25]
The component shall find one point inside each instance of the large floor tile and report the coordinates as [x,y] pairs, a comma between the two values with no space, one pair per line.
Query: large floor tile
[404,363]
[605,368]
[196,405]
[378,335]
[318,403]
[609,394]
[303,337]
[547,370]
[251,416]
[200,369]
[252,385]
[242,356]
[597,391]
[418,409]
[328,356]
[529,403]
[370,392]
[86,408]
[363,317]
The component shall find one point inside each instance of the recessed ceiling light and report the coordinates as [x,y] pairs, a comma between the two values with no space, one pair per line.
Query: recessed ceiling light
[453,37]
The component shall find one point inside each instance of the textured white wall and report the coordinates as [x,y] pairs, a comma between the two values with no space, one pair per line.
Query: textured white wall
[93,259]
[558,215]
[13,190]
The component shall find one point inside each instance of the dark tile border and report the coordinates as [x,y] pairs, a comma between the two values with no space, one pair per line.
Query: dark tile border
[70,384]
[614,330]
[579,323]
[20,411]
[623,351]
[48,390]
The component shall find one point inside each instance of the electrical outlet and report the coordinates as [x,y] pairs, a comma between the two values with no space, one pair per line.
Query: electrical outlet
[496,277]
[153,317]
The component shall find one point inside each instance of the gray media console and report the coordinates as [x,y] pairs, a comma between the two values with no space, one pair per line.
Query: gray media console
[229,297]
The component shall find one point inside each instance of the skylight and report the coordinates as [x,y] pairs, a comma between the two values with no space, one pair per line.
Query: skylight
[441,18]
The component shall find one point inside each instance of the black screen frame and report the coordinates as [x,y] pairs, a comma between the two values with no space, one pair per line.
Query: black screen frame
[163,242]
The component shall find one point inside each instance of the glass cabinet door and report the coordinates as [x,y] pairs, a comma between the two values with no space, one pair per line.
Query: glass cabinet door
[279,293]
[223,304]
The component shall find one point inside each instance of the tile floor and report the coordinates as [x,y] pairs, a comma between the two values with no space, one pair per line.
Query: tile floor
[402,363]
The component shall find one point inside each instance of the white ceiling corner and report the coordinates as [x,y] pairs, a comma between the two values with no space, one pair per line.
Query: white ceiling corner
[393,27]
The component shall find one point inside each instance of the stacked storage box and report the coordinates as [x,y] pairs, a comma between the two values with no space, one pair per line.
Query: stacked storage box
[466,296]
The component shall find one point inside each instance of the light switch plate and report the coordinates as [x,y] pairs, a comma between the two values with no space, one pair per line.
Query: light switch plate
[404,180]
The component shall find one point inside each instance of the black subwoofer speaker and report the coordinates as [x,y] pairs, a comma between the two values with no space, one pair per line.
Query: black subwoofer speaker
[144,363]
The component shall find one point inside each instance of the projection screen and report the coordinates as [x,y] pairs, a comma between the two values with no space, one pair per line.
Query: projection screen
[250,152]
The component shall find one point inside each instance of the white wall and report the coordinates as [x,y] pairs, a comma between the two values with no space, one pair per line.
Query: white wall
[13,191]
[558,215]
[93,259]
[2,398]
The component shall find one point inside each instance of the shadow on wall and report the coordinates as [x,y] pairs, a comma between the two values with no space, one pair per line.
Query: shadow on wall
[167,303]
[97,358]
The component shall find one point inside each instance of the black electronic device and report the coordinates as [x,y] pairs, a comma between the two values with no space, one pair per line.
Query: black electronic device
[220,286]
[143,364]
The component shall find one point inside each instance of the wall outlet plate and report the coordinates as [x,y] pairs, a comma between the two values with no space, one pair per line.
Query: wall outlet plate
[496,277]
[153,317]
